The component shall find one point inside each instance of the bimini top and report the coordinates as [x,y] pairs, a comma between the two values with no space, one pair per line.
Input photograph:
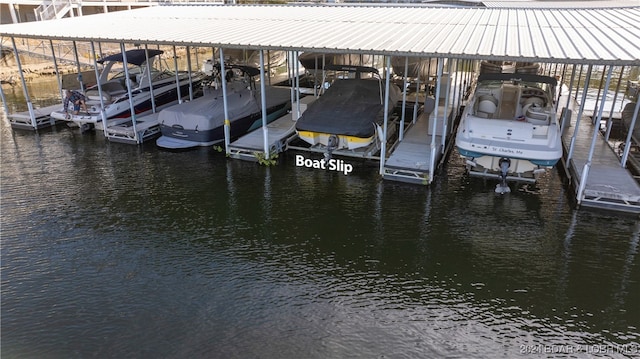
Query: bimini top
[579,35]
[135,57]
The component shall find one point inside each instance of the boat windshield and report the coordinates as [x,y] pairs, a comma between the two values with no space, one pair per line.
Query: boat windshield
[133,71]
[528,87]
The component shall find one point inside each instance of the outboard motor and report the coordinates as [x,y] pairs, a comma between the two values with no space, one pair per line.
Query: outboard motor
[503,187]
[332,144]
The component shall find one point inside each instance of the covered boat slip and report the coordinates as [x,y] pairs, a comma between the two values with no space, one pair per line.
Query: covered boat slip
[607,185]
[277,135]
[579,34]
[426,141]
[146,128]
[410,159]
[41,118]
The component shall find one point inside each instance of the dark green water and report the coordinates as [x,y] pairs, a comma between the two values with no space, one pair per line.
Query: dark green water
[120,251]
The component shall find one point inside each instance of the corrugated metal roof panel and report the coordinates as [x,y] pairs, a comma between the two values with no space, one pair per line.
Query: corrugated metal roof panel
[599,35]
[590,4]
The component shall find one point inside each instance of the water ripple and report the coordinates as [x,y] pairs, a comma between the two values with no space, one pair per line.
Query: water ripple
[111,250]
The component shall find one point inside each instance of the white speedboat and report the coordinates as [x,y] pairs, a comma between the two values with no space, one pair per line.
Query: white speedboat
[201,122]
[509,129]
[113,87]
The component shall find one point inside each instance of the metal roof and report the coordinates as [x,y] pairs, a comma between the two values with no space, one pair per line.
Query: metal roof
[568,4]
[601,36]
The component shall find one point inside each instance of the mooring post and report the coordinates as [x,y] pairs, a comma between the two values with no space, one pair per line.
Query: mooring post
[383,138]
[225,106]
[125,65]
[95,69]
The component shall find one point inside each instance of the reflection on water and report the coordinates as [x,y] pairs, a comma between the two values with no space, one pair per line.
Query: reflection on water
[114,250]
[43,92]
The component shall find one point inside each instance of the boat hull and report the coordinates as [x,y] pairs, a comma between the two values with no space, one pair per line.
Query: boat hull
[120,111]
[342,142]
[527,157]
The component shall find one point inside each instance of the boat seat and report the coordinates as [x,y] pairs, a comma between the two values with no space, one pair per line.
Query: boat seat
[487,106]
[534,113]
[537,101]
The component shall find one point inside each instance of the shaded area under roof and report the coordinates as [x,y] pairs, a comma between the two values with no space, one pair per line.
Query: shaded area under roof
[603,36]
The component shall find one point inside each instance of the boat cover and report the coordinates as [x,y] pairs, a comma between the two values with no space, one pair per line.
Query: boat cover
[349,107]
[416,67]
[207,112]
[314,60]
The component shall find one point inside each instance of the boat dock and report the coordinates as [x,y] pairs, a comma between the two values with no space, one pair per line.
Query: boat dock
[42,118]
[410,159]
[147,127]
[408,151]
[280,133]
[608,185]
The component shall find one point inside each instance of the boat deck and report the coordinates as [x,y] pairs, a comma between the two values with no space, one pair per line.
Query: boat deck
[280,133]
[608,185]
[43,119]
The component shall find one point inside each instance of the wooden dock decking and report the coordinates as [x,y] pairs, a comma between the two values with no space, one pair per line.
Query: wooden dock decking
[608,184]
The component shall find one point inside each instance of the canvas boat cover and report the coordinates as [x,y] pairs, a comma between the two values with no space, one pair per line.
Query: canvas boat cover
[349,107]
[207,112]
[314,60]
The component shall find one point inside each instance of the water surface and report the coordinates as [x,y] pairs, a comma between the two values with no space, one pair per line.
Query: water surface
[113,250]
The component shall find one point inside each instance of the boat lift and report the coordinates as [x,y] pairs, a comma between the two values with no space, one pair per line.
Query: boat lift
[424,145]
[269,140]
[134,131]
[599,177]
[33,118]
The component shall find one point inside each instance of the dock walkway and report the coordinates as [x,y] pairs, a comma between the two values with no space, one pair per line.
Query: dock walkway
[22,120]
[410,159]
[147,127]
[280,133]
[608,185]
